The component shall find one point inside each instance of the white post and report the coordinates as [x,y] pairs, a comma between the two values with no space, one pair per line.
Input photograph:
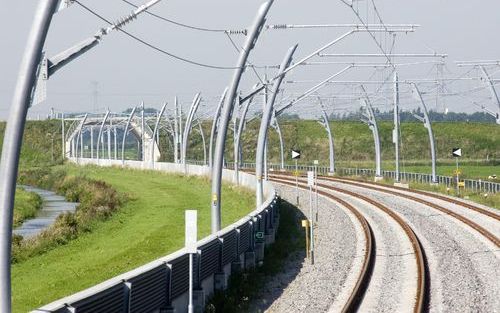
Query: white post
[63,143]
[310,183]
[191,234]
[91,142]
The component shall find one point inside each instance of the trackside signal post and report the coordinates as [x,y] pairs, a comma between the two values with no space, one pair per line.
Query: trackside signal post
[316,162]
[310,184]
[457,153]
[296,157]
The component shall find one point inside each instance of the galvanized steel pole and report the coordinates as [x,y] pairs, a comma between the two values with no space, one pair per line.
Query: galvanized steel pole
[99,135]
[125,132]
[395,131]
[176,131]
[155,132]
[214,128]
[331,146]
[250,42]
[493,91]
[428,125]
[13,139]
[143,131]
[276,126]
[63,136]
[237,139]
[200,129]
[264,125]
[372,124]
[187,126]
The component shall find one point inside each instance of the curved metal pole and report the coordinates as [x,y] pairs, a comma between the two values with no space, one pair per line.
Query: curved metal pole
[264,124]
[214,128]
[180,130]
[143,133]
[237,140]
[125,133]
[220,144]
[176,131]
[187,126]
[493,91]
[395,131]
[277,127]
[79,134]
[99,135]
[13,139]
[372,124]
[155,131]
[326,125]
[200,129]
[428,125]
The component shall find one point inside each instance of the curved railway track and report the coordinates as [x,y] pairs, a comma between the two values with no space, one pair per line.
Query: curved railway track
[361,286]
[487,234]
[387,189]
[423,193]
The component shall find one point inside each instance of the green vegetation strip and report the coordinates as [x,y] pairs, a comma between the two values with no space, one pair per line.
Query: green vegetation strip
[26,206]
[149,225]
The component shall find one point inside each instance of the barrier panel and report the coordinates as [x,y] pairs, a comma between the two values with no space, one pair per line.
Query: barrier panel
[162,285]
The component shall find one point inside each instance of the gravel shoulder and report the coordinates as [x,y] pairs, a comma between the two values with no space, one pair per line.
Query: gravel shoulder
[338,259]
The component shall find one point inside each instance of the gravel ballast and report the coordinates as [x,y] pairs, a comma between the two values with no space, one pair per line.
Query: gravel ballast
[464,267]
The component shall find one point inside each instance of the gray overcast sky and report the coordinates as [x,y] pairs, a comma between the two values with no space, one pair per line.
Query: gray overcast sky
[128,72]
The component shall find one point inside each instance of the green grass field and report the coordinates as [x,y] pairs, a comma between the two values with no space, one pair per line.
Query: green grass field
[148,226]
[26,205]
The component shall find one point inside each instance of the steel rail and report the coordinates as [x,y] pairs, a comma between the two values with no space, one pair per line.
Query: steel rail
[432,195]
[423,277]
[491,237]
[365,274]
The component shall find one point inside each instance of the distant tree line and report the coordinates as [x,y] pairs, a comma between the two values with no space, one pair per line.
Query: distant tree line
[408,116]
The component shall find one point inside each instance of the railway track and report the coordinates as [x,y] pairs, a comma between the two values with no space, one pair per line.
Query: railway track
[363,281]
[484,232]
[424,193]
[392,190]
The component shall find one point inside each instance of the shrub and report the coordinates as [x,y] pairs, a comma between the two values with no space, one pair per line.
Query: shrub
[97,202]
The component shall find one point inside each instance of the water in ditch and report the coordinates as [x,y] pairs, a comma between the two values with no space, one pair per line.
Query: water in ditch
[53,206]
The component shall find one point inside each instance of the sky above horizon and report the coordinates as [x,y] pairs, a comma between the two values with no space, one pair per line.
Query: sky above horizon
[125,72]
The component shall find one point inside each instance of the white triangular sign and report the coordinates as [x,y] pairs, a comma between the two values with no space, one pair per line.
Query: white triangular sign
[457,152]
[295,154]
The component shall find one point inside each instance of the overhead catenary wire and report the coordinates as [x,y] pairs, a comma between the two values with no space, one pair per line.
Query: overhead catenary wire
[213,30]
[192,62]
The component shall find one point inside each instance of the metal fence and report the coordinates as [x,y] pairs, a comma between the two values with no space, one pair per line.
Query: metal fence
[162,285]
[470,184]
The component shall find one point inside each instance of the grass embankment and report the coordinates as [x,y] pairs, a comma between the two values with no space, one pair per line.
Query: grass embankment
[149,225]
[42,143]
[26,206]
[480,144]
[245,288]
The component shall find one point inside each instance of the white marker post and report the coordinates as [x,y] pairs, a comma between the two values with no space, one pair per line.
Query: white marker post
[316,162]
[457,152]
[310,183]
[296,156]
[190,243]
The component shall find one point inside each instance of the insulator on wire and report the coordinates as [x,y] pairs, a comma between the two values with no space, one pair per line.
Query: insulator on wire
[277,26]
[125,20]
[237,32]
